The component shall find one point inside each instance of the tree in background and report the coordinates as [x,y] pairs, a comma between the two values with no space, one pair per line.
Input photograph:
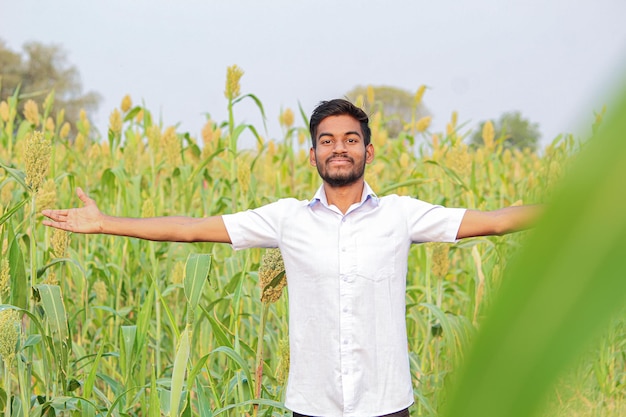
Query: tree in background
[39,70]
[513,130]
[399,106]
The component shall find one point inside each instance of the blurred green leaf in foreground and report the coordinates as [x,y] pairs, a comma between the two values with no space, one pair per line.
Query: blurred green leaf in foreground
[568,281]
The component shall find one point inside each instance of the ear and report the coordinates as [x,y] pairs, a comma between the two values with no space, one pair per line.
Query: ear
[312,158]
[369,153]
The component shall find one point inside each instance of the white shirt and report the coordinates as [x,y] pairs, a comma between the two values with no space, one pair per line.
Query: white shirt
[346,279]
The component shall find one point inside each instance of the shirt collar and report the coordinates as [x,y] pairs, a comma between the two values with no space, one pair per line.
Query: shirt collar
[320,196]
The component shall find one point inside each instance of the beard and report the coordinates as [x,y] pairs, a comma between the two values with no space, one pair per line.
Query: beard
[341,178]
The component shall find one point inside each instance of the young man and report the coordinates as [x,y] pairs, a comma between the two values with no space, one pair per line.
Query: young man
[345,254]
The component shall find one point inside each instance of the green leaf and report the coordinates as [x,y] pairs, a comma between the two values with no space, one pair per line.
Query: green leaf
[166,307]
[197,271]
[91,377]
[239,360]
[120,397]
[218,330]
[259,401]
[144,316]
[3,399]
[204,401]
[392,187]
[276,280]
[178,373]
[450,173]
[55,261]
[561,291]
[58,338]
[110,175]
[54,310]
[132,113]
[6,216]
[305,117]
[239,129]
[164,401]
[17,408]
[258,103]
[442,320]
[128,335]
[32,340]
[196,370]
[154,401]
[24,128]
[20,287]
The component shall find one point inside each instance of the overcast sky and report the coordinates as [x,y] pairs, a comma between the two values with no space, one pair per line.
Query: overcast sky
[555,61]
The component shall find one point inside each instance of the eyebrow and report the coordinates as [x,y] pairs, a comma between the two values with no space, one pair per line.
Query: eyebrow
[350,132]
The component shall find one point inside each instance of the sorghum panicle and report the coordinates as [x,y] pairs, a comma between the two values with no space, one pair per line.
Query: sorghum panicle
[178,274]
[46,197]
[101,291]
[488,135]
[5,275]
[284,358]
[59,241]
[4,111]
[9,333]
[172,147]
[147,208]
[233,77]
[286,118]
[37,159]
[422,124]
[115,122]
[127,103]
[31,112]
[271,265]
[440,259]
[65,130]
[419,94]
[243,174]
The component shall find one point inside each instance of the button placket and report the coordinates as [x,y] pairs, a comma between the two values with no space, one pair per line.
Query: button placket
[347,268]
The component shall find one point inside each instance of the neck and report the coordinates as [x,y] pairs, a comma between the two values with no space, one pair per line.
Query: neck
[344,197]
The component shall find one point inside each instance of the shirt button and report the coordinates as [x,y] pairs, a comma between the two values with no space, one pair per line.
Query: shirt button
[343,249]
[345,309]
[345,342]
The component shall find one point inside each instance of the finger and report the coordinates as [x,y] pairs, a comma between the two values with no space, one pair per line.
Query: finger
[55,214]
[81,195]
[56,225]
[48,223]
[84,197]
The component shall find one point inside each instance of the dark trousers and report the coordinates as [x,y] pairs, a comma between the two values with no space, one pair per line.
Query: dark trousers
[401,413]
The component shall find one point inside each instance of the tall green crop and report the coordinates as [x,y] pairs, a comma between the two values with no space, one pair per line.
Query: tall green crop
[120,326]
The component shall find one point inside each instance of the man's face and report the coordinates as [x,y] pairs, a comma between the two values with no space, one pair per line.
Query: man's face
[340,154]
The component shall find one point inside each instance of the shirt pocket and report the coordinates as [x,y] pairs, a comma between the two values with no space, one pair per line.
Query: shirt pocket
[376,257]
[376,274]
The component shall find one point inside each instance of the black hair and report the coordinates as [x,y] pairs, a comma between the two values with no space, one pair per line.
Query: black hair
[338,107]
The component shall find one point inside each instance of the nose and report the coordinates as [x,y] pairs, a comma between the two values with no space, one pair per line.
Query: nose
[340,147]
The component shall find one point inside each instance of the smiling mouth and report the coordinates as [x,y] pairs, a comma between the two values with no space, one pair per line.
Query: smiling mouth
[340,160]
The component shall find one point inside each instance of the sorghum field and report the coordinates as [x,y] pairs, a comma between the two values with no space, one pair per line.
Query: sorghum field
[96,325]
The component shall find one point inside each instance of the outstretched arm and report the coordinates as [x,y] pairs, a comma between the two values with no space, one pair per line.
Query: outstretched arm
[498,222]
[89,219]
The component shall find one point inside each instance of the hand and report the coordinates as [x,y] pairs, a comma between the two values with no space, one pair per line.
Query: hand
[86,219]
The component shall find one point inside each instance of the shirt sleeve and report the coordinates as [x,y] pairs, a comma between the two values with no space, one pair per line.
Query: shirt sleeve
[432,223]
[257,228]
